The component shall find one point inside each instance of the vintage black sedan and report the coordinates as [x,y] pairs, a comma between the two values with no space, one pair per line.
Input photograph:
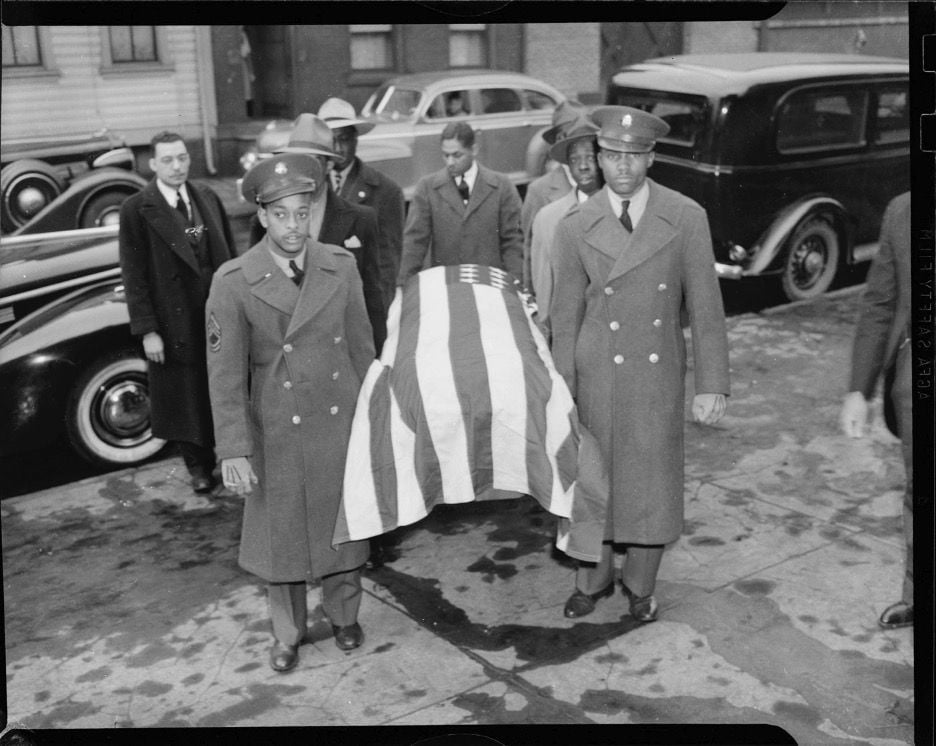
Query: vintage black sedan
[794,156]
[68,363]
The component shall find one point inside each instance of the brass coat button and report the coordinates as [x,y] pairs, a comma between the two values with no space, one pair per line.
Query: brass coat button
[287,347]
[654,357]
[614,326]
[618,359]
[296,419]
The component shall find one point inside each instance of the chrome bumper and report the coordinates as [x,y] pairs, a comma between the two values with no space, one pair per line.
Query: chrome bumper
[728,271]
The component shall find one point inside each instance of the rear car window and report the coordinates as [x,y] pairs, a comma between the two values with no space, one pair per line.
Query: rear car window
[893,116]
[536,100]
[500,100]
[684,115]
[819,119]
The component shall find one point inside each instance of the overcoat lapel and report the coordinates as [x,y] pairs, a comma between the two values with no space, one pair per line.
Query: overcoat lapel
[320,284]
[605,233]
[159,216]
[213,231]
[268,282]
[445,186]
[484,186]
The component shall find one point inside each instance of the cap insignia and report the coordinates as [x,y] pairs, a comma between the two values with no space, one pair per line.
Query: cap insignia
[627,120]
[280,168]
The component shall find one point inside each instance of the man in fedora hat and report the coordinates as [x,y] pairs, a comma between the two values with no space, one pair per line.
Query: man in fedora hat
[334,220]
[575,149]
[463,214]
[288,345]
[626,261]
[358,183]
[550,186]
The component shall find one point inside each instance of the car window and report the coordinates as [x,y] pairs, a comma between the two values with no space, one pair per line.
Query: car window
[819,119]
[685,116]
[393,102]
[893,117]
[536,100]
[500,100]
[450,105]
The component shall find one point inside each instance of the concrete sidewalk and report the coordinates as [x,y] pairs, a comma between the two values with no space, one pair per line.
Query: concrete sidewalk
[125,607]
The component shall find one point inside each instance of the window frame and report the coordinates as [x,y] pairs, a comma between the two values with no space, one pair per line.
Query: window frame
[46,67]
[391,36]
[882,89]
[485,33]
[862,88]
[163,62]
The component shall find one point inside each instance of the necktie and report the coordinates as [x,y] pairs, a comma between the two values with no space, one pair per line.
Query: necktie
[336,181]
[181,207]
[298,274]
[625,218]
[462,186]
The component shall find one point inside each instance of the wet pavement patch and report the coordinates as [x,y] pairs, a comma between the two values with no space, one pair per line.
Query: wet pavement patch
[802,713]
[755,587]
[490,570]
[258,699]
[423,601]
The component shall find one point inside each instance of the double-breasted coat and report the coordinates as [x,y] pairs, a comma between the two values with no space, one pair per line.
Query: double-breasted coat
[542,191]
[166,289]
[285,365]
[353,227]
[367,186]
[440,225]
[618,342]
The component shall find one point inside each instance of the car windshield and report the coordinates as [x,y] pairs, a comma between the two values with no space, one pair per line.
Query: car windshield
[684,115]
[392,102]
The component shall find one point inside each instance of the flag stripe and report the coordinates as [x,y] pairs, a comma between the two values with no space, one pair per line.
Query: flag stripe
[446,429]
[410,473]
[470,371]
[382,459]
[508,394]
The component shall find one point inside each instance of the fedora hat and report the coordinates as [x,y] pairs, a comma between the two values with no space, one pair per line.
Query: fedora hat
[565,114]
[311,136]
[338,113]
[581,129]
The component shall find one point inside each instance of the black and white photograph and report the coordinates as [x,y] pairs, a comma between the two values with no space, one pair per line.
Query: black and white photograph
[511,375]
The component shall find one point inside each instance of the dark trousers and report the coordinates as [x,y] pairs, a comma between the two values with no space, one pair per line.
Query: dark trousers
[902,397]
[200,460]
[638,573]
[341,599]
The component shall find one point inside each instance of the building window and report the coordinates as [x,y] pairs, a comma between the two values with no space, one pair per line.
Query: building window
[134,49]
[371,46]
[468,45]
[133,44]
[21,46]
[27,52]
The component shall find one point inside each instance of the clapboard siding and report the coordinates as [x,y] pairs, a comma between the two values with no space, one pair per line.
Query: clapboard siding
[82,98]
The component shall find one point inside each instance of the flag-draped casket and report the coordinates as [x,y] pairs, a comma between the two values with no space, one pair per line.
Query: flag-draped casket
[465,404]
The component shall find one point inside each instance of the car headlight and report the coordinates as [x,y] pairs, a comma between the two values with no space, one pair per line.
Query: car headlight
[248,159]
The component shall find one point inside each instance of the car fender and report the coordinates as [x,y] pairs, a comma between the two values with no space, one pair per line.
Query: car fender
[537,155]
[64,212]
[766,253]
[42,355]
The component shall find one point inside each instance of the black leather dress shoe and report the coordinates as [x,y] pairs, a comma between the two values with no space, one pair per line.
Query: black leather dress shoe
[583,604]
[897,615]
[283,657]
[642,608]
[349,637]
[202,484]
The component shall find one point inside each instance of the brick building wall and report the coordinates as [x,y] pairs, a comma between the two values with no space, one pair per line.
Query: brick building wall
[566,55]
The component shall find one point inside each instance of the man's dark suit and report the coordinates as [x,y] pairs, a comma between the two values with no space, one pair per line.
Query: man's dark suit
[364,185]
[882,344]
[354,228]
[485,231]
[166,287]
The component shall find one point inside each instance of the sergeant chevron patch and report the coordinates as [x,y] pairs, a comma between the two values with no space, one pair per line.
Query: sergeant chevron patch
[214,333]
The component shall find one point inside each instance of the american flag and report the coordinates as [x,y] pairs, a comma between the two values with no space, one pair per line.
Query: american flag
[465,404]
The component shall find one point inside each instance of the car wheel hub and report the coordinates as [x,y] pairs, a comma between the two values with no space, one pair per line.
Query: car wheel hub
[121,412]
[809,262]
[30,200]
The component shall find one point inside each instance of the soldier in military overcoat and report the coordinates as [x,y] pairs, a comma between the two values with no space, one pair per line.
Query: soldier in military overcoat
[627,261]
[289,343]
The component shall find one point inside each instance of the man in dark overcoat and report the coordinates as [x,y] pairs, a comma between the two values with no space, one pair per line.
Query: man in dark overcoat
[463,214]
[173,236]
[337,221]
[288,346]
[627,260]
[549,187]
[355,181]
[882,342]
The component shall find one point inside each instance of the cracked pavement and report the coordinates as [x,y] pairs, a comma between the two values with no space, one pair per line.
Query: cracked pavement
[125,607]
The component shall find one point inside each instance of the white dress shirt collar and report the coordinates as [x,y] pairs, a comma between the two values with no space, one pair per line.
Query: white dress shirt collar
[471,175]
[171,195]
[638,203]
